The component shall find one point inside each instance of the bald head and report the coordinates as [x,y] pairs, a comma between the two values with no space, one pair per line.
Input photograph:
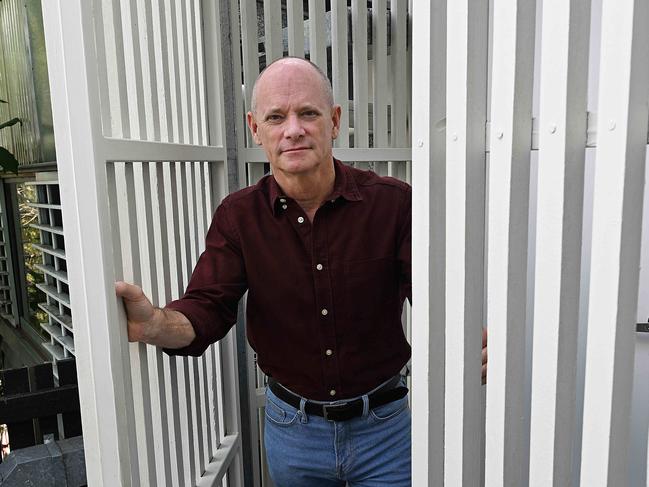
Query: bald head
[282,63]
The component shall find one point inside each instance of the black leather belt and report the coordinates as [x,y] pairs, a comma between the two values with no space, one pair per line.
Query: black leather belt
[344,410]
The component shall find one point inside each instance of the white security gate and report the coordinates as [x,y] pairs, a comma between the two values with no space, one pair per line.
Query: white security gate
[484,98]
[142,163]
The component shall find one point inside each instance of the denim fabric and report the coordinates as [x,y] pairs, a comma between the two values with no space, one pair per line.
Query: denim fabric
[309,451]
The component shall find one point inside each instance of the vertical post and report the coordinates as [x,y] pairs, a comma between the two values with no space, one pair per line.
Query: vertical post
[102,353]
[466,103]
[617,217]
[428,277]
[564,71]
[509,174]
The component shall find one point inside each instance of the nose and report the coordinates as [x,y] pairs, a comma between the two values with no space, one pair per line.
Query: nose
[293,128]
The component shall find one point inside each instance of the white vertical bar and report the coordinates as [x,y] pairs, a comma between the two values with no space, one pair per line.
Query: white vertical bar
[133,69]
[317,39]
[617,217]
[149,75]
[564,70]
[272,30]
[250,54]
[176,134]
[400,104]
[340,67]
[186,73]
[186,264]
[160,285]
[195,71]
[160,47]
[129,238]
[428,153]
[172,291]
[466,102]
[380,73]
[510,145]
[295,27]
[202,51]
[100,332]
[360,74]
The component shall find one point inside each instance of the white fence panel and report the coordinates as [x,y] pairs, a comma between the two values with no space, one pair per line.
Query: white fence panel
[465,208]
[617,216]
[428,243]
[132,212]
[510,145]
[564,70]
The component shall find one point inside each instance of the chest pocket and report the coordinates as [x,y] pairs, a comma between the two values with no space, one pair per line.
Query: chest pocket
[369,286]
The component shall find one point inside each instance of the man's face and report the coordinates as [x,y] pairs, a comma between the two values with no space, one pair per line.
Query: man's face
[293,120]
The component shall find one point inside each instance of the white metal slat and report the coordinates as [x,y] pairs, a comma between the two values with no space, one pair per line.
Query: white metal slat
[340,67]
[511,117]
[149,72]
[360,73]
[273,43]
[400,87]
[560,190]
[615,248]
[317,39]
[202,71]
[465,205]
[197,72]
[133,69]
[194,215]
[148,270]
[295,27]
[112,79]
[173,291]
[380,73]
[161,56]
[186,264]
[159,284]
[429,88]
[131,272]
[173,95]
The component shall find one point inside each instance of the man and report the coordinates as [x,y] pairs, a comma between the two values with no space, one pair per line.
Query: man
[324,251]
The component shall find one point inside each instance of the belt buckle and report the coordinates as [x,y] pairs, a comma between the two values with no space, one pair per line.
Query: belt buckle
[333,407]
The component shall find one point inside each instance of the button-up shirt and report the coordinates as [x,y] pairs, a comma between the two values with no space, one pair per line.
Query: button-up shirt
[325,298]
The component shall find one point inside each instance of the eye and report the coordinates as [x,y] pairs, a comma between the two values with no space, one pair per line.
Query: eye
[274,117]
[310,113]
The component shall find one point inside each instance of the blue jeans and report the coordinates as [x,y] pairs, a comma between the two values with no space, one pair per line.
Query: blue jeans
[309,451]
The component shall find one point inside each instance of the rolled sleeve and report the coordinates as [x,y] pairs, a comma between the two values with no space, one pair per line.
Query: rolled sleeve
[211,300]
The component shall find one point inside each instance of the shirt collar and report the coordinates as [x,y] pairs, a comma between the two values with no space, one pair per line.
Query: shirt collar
[344,187]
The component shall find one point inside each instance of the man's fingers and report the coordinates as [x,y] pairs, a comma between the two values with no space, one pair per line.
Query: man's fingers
[128,291]
[484,356]
[484,374]
[484,337]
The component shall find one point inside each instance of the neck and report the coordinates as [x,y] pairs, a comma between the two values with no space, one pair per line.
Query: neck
[310,189]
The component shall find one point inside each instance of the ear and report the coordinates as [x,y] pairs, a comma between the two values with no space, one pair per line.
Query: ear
[252,125]
[335,119]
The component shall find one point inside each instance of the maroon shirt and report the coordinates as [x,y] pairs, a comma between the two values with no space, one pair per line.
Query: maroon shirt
[324,298]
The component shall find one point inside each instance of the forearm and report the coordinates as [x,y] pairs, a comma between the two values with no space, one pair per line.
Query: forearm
[170,329]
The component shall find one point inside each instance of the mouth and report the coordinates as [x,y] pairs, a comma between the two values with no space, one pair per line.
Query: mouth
[295,149]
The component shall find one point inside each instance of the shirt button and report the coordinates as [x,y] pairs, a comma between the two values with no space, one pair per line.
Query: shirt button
[300,219]
[282,200]
[332,392]
[284,206]
[329,353]
[319,267]
[324,312]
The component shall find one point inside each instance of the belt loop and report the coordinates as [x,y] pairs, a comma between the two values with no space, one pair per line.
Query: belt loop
[366,405]
[303,417]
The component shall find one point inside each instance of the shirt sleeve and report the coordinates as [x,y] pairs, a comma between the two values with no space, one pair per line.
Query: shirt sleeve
[211,300]
[405,247]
